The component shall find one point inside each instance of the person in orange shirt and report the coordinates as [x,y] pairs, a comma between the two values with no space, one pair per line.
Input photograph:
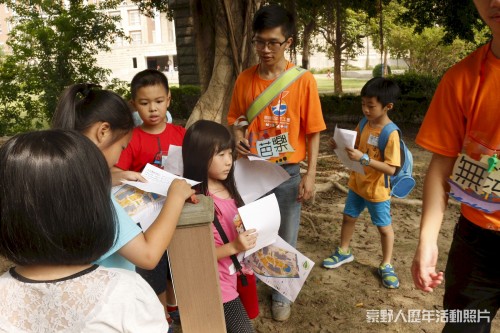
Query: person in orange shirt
[286,130]
[378,96]
[461,130]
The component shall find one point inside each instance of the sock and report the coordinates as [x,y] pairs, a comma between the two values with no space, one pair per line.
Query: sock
[344,252]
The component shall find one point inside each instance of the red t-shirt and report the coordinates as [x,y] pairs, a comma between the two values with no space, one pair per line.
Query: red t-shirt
[143,146]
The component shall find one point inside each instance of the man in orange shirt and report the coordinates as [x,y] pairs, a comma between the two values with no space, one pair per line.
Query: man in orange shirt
[462,121]
[286,130]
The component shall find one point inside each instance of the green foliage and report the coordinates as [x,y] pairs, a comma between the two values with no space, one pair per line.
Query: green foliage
[414,84]
[423,51]
[377,70]
[459,18]
[416,94]
[120,87]
[148,7]
[344,106]
[53,45]
[184,99]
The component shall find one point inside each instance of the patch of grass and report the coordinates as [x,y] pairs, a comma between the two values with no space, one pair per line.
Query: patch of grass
[325,85]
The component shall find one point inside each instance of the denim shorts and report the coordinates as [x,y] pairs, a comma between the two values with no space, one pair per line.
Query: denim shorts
[380,212]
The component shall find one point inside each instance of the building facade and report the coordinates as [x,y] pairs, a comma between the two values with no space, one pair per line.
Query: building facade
[151,44]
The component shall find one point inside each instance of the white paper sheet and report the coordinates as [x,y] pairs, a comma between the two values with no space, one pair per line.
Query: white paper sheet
[281,267]
[158,180]
[254,177]
[173,162]
[264,216]
[346,138]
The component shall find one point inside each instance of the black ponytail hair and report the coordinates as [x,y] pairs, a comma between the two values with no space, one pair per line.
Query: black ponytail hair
[81,105]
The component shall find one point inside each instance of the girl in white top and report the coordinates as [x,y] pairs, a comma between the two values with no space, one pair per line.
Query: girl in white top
[56,218]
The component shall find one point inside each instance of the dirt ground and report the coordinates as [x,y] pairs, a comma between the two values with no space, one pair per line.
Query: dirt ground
[342,299]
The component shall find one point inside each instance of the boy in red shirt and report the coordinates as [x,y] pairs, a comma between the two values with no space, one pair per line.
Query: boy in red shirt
[150,142]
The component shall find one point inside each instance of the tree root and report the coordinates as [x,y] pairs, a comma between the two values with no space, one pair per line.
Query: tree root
[323,187]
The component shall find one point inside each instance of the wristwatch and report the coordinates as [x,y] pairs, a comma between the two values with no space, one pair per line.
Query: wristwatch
[365,160]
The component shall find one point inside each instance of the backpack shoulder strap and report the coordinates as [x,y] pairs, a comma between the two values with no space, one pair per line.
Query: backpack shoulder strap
[233,257]
[384,136]
[382,143]
[362,124]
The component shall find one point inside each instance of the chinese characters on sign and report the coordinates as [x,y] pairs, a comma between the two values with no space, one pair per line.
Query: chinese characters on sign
[427,316]
[274,146]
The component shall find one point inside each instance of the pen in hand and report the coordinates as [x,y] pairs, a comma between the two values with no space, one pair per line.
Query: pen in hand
[244,145]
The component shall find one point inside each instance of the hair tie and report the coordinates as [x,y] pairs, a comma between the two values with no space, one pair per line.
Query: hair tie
[88,87]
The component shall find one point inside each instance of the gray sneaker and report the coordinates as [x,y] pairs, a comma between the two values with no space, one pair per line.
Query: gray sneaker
[280,311]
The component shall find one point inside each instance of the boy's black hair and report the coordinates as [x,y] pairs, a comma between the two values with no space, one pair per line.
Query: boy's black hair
[80,106]
[386,91]
[202,141]
[273,16]
[146,78]
[55,204]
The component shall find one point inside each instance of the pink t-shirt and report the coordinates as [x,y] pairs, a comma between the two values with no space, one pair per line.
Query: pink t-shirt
[226,211]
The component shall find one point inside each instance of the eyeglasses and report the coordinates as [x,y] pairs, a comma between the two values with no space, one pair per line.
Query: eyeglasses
[271,45]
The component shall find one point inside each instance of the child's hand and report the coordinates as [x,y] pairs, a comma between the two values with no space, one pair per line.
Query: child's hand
[245,241]
[181,188]
[119,176]
[332,143]
[354,154]
[193,199]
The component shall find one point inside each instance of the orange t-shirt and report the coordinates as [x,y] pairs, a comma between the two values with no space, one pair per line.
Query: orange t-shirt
[278,134]
[371,185]
[443,130]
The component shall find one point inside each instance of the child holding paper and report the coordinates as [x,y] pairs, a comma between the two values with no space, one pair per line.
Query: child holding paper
[105,118]
[150,143]
[56,218]
[378,96]
[208,154]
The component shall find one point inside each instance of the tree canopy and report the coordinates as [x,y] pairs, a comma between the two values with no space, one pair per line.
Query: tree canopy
[53,45]
[458,18]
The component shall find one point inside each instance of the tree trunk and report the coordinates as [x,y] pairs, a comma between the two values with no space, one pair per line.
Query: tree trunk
[381,31]
[337,51]
[223,26]
[308,29]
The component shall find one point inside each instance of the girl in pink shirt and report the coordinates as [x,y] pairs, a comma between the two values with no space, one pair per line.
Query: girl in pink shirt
[208,153]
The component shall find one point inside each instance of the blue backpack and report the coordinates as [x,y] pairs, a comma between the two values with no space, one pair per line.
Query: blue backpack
[402,182]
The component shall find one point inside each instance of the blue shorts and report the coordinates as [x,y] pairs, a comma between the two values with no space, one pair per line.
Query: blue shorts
[380,212]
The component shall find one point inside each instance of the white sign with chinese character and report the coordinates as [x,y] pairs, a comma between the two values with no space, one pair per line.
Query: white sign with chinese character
[274,146]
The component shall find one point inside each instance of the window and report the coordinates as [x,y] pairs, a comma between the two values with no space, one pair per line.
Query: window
[170,31]
[118,41]
[134,17]
[116,15]
[136,37]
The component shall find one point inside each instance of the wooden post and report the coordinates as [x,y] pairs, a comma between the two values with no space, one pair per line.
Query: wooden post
[194,269]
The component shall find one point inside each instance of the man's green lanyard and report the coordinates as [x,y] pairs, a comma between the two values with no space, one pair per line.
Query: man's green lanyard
[270,93]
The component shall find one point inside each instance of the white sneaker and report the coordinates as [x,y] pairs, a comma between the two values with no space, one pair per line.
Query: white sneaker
[280,311]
